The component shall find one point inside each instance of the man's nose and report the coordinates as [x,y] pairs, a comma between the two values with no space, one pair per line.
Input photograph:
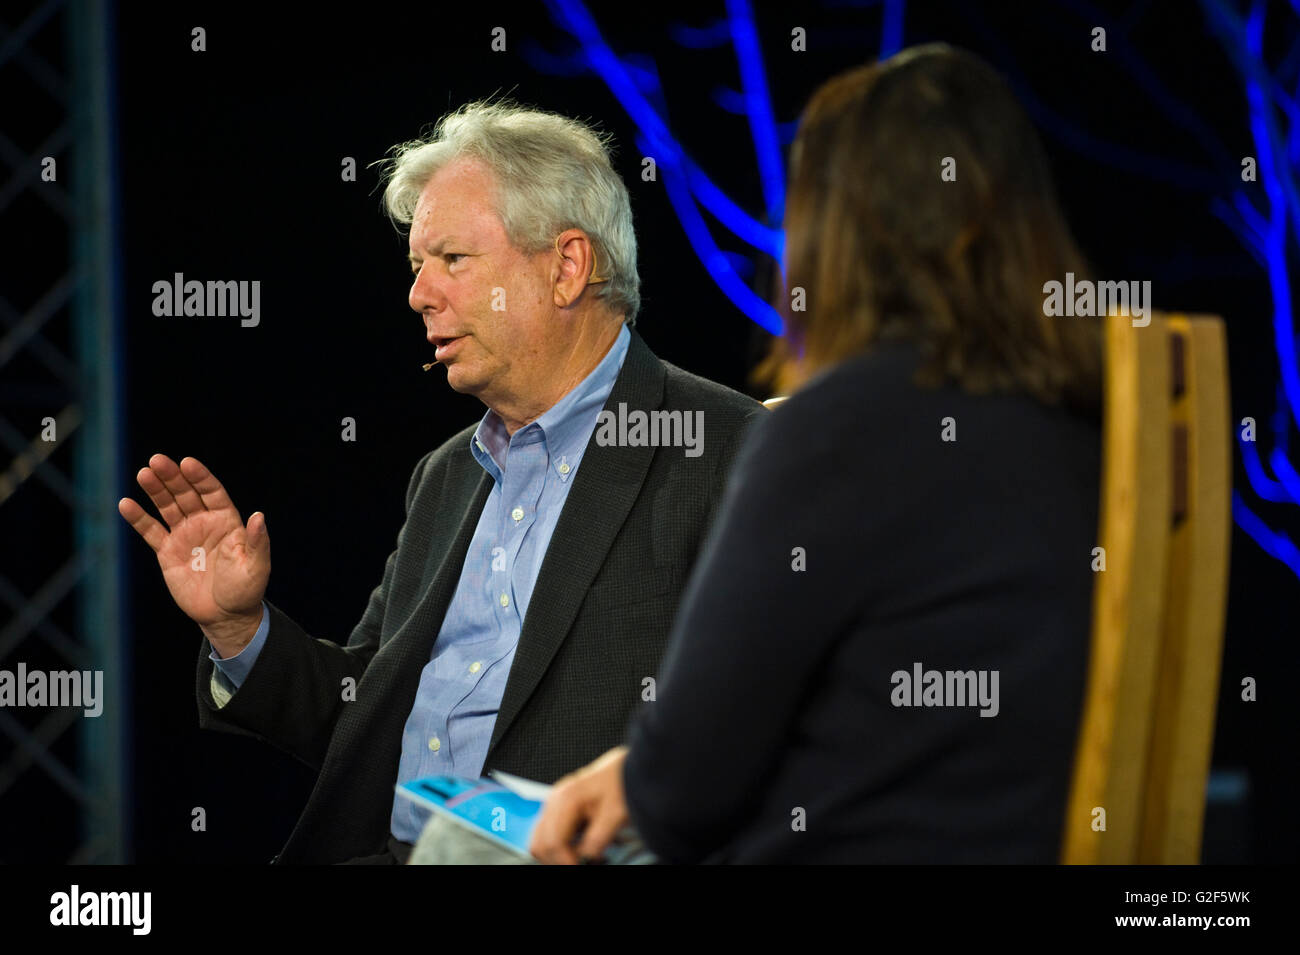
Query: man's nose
[425,294]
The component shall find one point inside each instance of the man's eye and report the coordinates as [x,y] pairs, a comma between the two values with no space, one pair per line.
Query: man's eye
[451,258]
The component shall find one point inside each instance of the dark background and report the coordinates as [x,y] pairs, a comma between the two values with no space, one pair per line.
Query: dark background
[230,166]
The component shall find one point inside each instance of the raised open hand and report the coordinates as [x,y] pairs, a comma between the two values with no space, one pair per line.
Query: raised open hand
[215,567]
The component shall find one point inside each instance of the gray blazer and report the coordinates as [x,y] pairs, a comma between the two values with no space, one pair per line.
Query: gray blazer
[596,627]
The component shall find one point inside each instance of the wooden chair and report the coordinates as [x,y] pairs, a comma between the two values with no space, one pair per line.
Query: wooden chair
[1158,607]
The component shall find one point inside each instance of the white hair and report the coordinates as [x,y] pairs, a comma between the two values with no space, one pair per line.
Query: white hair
[552,172]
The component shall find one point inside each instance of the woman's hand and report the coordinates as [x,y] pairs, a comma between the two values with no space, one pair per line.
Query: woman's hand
[589,801]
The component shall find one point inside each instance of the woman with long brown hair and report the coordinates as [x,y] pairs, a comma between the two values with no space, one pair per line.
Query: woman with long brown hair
[881,653]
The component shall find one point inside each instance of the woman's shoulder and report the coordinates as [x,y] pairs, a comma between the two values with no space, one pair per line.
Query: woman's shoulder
[888,368]
[852,391]
[882,383]
[871,407]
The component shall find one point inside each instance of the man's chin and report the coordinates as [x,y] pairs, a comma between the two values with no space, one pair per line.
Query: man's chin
[463,379]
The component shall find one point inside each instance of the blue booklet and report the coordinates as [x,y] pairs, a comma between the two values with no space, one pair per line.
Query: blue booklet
[488,807]
[504,809]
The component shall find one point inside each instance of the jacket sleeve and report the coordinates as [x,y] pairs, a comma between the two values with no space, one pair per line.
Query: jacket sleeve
[750,634]
[293,694]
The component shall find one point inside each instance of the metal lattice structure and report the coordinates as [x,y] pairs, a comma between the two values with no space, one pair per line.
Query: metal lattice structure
[63,776]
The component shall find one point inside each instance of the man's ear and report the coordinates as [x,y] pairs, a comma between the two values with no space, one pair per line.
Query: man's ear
[575,266]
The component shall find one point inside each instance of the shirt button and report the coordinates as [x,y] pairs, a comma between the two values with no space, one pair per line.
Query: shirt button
[475,667]
[505,601]
[564,469]
[435,744]
[517,514]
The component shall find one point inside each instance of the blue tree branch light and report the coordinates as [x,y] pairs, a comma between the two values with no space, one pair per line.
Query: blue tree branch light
[1264,216]
[1265,234]
[687,186]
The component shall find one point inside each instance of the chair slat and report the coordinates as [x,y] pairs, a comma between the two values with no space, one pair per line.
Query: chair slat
[1128,598]
[1183,729]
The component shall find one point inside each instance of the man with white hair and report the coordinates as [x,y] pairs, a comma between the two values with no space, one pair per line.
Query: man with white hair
[521,618]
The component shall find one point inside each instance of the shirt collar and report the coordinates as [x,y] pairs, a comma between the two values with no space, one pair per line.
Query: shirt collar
[565,428]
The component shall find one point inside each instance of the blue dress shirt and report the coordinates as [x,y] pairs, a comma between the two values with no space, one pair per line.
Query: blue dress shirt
[460,691]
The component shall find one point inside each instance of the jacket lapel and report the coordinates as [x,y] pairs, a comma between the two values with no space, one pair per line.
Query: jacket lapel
[374,730]
[416,636]
[607,485]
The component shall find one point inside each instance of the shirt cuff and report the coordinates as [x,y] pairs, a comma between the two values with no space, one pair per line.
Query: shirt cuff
[236,668]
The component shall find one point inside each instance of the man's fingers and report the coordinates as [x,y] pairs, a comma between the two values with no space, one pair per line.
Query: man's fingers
[256,538]
[144,525]
[162,498]
[211,491]
[187,499]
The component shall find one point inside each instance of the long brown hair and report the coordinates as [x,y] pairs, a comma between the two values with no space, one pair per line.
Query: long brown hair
[885,248]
